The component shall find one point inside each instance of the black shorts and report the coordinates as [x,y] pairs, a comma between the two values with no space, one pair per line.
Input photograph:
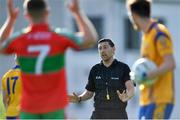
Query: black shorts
[109,114]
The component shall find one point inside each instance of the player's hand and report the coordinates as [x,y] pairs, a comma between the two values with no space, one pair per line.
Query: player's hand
[152,74]
[74,98]
[123,96]
[74,6]
[12,12]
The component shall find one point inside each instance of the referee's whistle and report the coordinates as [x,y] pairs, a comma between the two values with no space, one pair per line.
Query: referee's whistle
[108,97]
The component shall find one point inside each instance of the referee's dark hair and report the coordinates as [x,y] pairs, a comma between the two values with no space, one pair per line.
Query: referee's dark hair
[106,40]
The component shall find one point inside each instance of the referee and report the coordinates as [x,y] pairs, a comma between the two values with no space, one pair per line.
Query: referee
[110,81]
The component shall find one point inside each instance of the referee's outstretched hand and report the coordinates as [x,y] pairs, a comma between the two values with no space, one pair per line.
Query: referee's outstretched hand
[74,98]
[123,96]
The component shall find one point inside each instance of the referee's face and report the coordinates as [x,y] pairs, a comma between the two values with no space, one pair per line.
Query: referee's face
[106,51]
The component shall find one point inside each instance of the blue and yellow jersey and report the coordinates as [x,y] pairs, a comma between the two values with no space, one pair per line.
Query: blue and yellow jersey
[11,86]
[155,49]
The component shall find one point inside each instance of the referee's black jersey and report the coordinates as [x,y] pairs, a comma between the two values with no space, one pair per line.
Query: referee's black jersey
[106,81]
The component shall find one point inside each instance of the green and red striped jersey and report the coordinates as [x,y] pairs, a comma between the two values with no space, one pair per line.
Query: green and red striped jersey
[40,53]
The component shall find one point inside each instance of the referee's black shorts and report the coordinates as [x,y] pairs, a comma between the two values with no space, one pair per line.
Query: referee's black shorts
[109,114]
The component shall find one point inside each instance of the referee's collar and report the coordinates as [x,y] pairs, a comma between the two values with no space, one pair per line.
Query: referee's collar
[113,63]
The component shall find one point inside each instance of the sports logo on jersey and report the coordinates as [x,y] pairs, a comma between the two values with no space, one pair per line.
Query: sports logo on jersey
[98,77]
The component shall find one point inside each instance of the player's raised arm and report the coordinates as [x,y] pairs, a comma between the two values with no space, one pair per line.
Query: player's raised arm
[9,23]
[86,28]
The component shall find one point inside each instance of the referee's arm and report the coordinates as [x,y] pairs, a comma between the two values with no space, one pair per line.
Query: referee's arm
[130,88]
[86,95]
[128,93]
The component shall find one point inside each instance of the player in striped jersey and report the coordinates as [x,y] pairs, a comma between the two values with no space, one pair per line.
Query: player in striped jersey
[41,56]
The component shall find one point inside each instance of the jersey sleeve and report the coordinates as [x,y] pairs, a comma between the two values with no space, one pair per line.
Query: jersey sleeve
[73,40]
[4,81]
[126,75]
[91,85]
[3,85]
[8,45]
[164,46]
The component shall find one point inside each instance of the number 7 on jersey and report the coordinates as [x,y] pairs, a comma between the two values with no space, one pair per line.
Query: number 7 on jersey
[43,52]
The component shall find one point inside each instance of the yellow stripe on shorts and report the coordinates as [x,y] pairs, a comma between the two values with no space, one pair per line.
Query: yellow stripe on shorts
[159,111]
